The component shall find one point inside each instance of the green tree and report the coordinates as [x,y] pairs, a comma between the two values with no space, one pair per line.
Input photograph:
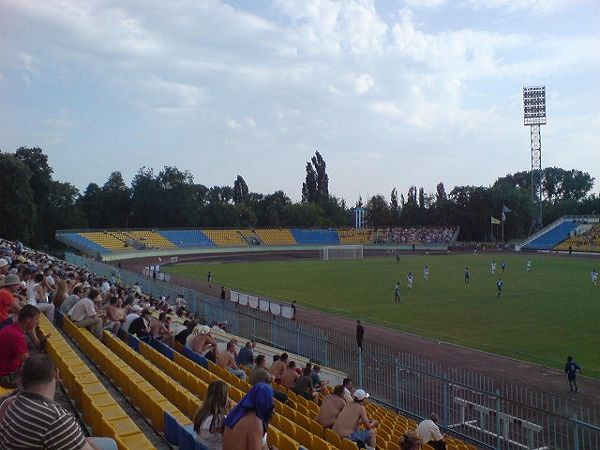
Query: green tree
[240,190]
[378,211]
[316,185]
[17,209]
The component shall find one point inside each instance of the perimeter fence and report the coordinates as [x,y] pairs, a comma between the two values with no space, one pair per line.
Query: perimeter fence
[490,413]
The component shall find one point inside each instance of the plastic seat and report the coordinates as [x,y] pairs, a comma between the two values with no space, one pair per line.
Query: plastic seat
[273,435]
[347,444]
[287,443]
[303,421]
[333,438]
[304,437]
[287,427]
[321,444]
[317,429]
[137,441]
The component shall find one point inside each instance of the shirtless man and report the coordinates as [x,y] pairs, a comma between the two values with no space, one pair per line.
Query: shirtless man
[200,341]
[278,367]
[331,407]
[159,329]
[114,315]
[353,414]
[290,375]
[226,360]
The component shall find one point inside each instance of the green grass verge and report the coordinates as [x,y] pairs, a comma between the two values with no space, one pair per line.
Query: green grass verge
[543,315]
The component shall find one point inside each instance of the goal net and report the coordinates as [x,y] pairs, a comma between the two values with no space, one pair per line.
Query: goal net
[342,252]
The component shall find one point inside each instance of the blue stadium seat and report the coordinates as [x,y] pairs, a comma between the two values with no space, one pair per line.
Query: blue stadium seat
[78,241]
[552,237]
[316,237]
[187,238]
[200,360]
[164,349]
[171,429]
[134,342]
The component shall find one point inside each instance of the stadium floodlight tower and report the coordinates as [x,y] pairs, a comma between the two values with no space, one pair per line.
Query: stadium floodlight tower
[534,107]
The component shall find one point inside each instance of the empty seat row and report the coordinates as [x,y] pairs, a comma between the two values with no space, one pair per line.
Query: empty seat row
[99,409]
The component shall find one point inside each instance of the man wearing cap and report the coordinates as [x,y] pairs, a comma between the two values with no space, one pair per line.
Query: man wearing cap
[134,314]
[8,304]
[200,341]
[4,267]
[353,414]
[429,432]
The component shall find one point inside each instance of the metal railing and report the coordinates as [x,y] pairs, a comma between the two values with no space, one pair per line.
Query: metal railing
[490,413]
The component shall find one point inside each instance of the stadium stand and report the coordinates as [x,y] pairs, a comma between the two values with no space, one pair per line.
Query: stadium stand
[250,237]
[276,236]
[588,241]
[226,238]
[552,236]
[187,238]
[354,236]
[316,237]
[118,240]
[107,240]
[77,240]
[152,239]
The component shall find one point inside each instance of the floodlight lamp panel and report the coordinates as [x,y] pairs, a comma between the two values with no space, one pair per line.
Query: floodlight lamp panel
[534,105]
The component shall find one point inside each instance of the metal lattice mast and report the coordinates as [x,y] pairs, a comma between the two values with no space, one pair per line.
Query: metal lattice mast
[534,106]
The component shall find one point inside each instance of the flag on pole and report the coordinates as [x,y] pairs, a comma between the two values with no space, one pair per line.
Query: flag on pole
[495,221]
[505,211]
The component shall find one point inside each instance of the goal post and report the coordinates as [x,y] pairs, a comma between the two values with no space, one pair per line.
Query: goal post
[342,252]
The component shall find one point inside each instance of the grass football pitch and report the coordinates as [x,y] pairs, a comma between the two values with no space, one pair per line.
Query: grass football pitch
[542,316]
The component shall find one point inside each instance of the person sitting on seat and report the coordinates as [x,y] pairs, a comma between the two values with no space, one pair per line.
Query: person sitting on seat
[209,420]
[13,345]
[410,441]
[84,314]
[246,425]
[226,360]
[304,385]
[353,414]
[429,432]
[246,357]
[331,406]
[278,367]
[290,375]
[31,419]
[140,327]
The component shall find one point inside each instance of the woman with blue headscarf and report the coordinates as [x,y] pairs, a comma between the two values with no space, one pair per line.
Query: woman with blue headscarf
[246,424]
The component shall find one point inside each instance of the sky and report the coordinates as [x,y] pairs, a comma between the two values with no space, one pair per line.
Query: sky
[392,93]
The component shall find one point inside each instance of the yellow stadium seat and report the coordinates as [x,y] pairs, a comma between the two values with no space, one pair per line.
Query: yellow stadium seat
[320,444]
[273,435]
[304,437]
[287,426]
[136,441]
[347,444]
[333,438]
[287,443]
[317,429]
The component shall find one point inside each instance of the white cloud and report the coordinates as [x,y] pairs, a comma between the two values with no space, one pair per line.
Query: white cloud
[30,62]
[341,76]
[386,108]
[343,26]
[363,83]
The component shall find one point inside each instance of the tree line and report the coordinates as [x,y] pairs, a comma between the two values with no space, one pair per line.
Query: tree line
[33,205]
